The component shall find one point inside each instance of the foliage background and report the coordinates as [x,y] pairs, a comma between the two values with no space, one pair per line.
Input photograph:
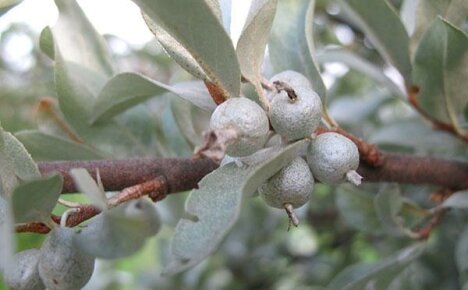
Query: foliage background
[339,227]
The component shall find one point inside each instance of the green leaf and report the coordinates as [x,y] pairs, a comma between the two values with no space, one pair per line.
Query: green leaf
[34,201]
[196,93]
[81,70]
[440,71]
[8,179]
[46,42]
[194,25]
[377,275]
[316,78]
[91,51]
[213,209]
[126,90]
[461,255]
[86,184]
[289,45]
[357,208]
[458,200]
[7,238]
[362,65]
[24,166]
[454,11]
[389,205]
[121,235]
[39,144]
[184,116]
[175,50]
[355,110]
[414,133]
[6,5]
[383,27]
[253,40]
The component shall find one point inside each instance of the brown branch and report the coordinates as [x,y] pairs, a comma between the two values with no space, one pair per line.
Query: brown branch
[158,177]
[184,173]
[417,170]
[181,174]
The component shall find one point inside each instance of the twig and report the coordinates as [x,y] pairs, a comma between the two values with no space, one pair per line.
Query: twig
[156,189]
[436,124]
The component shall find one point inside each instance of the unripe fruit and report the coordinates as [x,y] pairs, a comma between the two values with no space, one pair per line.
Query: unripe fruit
[61,265]
[333,159]
[144,211]
[296,117]
[247,119]
[23,274]
[293,185]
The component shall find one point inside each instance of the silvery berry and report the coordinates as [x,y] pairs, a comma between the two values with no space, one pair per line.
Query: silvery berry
[295,116]
[247,119]
[61,265]
[333,159]
[23,274]
[292,184]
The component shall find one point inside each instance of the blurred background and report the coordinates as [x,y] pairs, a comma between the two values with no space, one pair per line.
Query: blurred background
[338,228]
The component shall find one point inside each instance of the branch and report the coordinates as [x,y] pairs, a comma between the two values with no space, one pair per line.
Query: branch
[183,174]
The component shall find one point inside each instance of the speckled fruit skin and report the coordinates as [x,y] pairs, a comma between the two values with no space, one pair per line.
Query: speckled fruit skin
[293,184]
[23,274]
[330,156]
[296,119]
[61,265]
[248,119]
[292,78]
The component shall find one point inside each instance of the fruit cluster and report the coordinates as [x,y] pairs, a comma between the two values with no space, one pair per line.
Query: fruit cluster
[61,264]
[294,113]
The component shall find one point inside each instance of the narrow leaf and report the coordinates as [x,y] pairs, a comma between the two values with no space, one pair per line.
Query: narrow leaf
[24,166]
[213,209]
[126,90]
[86,184]
[7,238]
[290,48]
[175,50]
[183,115]
[34,201]
[39,144]
[457,200]
[461,255]
[380,274]
[6,5]
[440,70]
[362,65]
[454,11]
[316,78]
[194,25]
[253,40]
[383,27]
